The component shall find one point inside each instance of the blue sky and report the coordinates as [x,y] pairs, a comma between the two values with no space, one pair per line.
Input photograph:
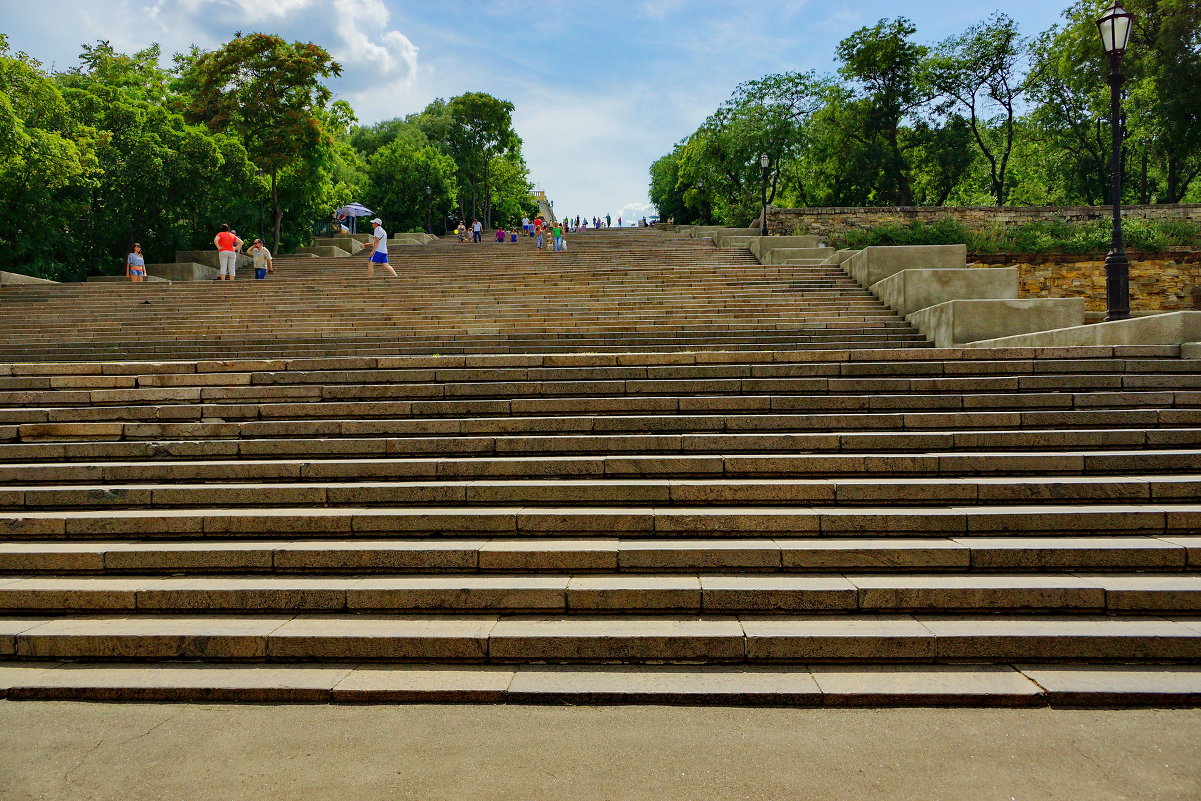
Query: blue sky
[601,89]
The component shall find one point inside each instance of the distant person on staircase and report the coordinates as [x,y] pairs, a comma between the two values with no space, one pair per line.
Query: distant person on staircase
[540,233]
[228,245]
[477,232]
[379,249]
[500,234]
[525,225]
[135,265]
[462,232]
[618,222]
[557,233]
[262,260]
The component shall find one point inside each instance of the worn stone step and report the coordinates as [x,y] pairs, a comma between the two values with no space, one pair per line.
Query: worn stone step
[714,639]
[667,521]
[1100,462]
[287,373]
[772,422]
[780,444]
[628,492]
[784,685]
[585,594]
[1165,354]
[604,555]
[566,413]
[669,388]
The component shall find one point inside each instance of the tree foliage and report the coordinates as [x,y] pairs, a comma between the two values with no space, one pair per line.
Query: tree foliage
[986,116]
[127,147]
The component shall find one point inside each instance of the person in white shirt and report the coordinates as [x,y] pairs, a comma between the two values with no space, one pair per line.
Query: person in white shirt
[379,249]
[477,231]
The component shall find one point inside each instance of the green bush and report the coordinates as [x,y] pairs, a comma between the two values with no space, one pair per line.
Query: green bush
[1035,237]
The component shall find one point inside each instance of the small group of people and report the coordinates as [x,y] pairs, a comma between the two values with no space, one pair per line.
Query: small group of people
[229,245]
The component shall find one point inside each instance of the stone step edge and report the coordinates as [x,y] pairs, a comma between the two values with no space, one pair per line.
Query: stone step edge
[599,359]
[849,685]
[479,556]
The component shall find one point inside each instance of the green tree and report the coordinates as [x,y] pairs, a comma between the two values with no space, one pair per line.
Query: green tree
[979,74]
[271,93]
[157,176]
[398,174]
[885,64]
[45,161]
[480,130]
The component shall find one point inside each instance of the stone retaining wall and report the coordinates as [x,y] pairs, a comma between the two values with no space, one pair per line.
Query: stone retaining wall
[1158,281]
[826,221]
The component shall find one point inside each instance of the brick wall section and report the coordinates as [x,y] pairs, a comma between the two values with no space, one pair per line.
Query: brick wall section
[1158,281]
[824,221]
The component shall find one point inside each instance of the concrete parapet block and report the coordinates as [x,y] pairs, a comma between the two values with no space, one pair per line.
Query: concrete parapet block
[323,251]
[208,258]
[957,322]
[1173,328]
[185,271]
[840,256]
[872,265]
[21,278]
[762,244]
[347,243]
[735,241]
[778,256]
[911,290]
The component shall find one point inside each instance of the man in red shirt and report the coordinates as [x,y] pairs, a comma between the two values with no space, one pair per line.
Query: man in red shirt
[228,245]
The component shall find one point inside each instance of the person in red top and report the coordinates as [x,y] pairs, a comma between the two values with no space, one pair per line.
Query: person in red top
[228,245]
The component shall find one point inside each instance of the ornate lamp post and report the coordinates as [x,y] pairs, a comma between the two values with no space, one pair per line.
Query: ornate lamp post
[700,188]
[428,200]
[765,164]
[262,175]
[1115,29]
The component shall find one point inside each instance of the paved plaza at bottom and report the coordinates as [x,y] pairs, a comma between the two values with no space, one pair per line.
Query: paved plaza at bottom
[137,752]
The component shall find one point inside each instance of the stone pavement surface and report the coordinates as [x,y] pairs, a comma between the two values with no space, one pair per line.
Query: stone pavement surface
[138,753]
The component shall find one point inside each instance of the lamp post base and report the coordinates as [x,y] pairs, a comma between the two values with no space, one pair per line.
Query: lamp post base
[1117,286]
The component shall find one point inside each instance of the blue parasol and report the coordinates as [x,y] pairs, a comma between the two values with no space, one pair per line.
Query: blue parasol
[354,211]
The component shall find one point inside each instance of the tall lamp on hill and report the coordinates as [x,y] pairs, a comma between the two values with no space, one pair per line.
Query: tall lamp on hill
[1115,29]
[765,165]
[429,229]
[262,175]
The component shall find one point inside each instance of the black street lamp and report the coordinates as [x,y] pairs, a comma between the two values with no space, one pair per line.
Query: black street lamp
[700,188]
[765,164]
[262,175]
[1115,29]
[429,229]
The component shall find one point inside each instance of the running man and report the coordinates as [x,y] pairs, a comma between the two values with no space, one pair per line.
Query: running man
[379,249]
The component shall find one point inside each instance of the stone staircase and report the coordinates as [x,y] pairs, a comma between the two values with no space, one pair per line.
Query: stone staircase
[612,290]
[684,523]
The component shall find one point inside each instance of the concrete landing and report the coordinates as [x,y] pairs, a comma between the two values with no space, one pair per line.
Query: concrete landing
[137,752]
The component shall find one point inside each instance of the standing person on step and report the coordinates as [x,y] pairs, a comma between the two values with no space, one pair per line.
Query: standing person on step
[135,265]
[262,260]
[462,232]
[379,249]
[477,232]
[557,233]
[228,245]
[540,233]
[608,221]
